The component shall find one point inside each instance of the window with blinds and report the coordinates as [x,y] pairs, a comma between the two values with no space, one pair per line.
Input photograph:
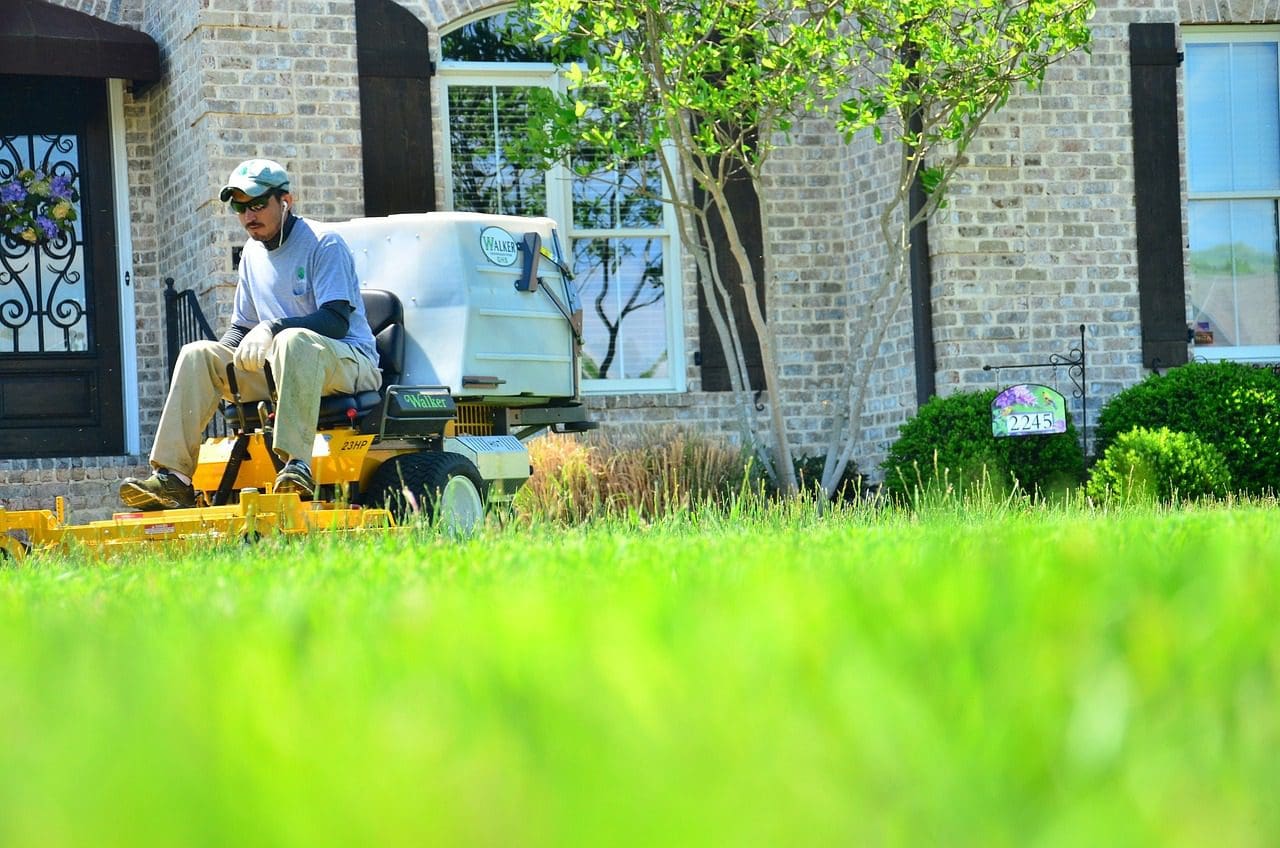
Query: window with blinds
[619,252]
[619,235]
[483,119]
[1233,187]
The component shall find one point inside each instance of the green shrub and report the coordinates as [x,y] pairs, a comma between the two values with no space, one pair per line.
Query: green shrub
[1161,464]
[1234,407]
[952,436]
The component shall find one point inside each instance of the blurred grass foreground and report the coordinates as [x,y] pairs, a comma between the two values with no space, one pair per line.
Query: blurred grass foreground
[1049,678]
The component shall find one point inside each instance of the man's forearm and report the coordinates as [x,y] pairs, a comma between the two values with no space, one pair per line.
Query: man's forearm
[332,319]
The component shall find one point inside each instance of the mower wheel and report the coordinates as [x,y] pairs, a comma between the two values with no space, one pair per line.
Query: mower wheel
[445,487]
[12,550]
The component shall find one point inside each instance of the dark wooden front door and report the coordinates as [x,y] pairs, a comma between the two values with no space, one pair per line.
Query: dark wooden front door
[60,378]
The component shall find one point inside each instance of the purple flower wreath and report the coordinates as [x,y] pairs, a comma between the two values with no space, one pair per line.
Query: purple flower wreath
[36,207]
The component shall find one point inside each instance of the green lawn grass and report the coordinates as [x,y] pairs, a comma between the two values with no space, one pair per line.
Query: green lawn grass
[1053,678]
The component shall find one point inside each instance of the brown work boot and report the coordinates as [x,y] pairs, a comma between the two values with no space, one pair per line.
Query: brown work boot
[162,490]
[296,477]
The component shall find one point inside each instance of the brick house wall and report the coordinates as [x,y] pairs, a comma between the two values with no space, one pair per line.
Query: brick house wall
[1039,236]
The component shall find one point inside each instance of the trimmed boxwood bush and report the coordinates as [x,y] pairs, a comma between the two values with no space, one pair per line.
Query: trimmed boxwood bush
[1234,407]
[958,429]
[1159,464]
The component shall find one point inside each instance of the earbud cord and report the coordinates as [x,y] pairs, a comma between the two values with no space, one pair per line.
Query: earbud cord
[284,227]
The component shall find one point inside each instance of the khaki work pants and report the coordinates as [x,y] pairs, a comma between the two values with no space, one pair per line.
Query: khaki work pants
[306,366]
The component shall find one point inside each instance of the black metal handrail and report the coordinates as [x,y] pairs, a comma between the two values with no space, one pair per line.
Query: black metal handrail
[184,323]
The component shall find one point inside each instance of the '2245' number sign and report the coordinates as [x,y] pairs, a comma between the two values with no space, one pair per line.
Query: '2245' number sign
[1023,423]
[1028,410]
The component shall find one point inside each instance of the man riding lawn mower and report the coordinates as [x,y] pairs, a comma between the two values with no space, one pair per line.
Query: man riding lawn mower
[475,331]
[297,306]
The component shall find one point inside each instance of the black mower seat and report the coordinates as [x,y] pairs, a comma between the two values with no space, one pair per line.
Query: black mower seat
[386,318]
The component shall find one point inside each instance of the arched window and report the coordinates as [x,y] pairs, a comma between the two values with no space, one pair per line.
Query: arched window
[621,239]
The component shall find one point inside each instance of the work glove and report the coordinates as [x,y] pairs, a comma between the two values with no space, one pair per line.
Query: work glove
[252,350]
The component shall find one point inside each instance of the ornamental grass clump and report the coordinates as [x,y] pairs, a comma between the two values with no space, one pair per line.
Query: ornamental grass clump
[1145,465]
[949,443]
[650,472]
[37,207]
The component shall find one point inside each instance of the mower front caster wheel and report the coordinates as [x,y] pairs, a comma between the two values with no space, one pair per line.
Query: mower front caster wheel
[444,487]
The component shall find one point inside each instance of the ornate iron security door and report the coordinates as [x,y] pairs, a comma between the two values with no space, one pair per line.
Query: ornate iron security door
[40,260]
[60,379]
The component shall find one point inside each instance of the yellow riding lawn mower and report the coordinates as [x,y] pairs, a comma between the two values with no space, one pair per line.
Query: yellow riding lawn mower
[478,331]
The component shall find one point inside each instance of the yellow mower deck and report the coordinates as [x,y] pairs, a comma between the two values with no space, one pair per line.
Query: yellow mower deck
[254,516]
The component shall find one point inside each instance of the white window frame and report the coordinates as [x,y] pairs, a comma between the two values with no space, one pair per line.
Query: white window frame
[515,75]
[1222,35]
[560,209]
[125,273]
[673,297]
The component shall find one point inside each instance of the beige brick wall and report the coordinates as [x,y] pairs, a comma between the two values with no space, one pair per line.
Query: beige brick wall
[1039,236]
[126,12]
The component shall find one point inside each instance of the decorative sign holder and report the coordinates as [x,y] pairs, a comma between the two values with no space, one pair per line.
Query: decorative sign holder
[1074,362]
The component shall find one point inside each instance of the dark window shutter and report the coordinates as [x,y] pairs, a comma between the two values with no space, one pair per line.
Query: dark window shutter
[1153,61]
[395,109]
[741,195]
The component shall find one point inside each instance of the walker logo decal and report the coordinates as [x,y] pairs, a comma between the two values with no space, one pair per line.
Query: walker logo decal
[498,246]
[419,400]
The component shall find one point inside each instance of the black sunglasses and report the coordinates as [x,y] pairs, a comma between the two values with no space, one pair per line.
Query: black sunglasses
[255,205]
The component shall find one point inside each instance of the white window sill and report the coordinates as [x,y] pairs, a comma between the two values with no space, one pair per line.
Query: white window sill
[1243,353]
